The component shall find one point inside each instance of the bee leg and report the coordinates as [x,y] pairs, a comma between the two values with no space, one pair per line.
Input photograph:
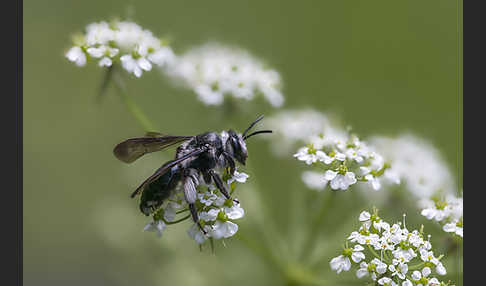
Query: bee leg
[231,163]
[220,185]
[195,218]
[190,194]
[207,177]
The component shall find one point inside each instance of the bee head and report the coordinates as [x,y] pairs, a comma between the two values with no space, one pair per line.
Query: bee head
[236,147]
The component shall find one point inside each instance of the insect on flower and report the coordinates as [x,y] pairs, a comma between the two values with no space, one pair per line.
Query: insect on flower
[197,155]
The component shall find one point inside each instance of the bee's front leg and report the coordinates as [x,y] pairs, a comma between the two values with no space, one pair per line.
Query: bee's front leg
[231,163]
[220,185]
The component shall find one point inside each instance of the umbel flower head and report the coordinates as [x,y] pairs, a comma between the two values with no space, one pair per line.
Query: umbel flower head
[126,43]
[417,163]
[214,71]
[389,254]
[448,213]
[341,160]
[297,126]
[217,215]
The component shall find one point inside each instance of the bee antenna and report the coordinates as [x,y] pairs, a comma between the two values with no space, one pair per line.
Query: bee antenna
[257,132]
[253,124]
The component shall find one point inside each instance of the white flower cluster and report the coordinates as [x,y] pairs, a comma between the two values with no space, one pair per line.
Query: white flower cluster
[216,213]
[389,254]
[214,71]
[124,42]
[342,161]
[294,126]
[448,212]
[417,163]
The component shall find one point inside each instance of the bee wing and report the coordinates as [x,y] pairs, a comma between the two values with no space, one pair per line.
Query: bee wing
[134,148]
[167,166]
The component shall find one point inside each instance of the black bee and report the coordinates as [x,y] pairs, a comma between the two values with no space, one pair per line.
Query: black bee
[196,156]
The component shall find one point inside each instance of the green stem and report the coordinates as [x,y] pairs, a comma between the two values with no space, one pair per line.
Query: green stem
[374,252]
[315,227]
[417,266]
[132,107]
[388,259]
[176,221]
[181,211]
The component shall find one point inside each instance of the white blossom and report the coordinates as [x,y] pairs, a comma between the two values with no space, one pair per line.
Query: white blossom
[340,181]
[223,229]
[386,281]
[340,263]
[76,55]
[155,226]
[238,177]
[344,160]
[214,71]
[314,180]
[393,250]
[448,213]
[136,48]
[416,163]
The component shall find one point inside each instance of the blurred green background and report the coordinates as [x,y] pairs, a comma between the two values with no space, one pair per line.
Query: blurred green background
[383,67]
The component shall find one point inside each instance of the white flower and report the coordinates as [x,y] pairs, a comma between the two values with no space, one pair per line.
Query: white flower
[378,233]
[135,66]
[399,271]
[386,281]
[363,270]
[364,216]
[224,229]
[170,211]
[417,163]
[208,95]
[314,180]
[375,267]
[136,48]
[163,57]
[448,212]
[210,215]
[403,256]
[453,227]
[357,255]
[99,33]
[416,275]
[407,283]
[155,226]
[214,71]
[375,182]
[428,256]
[352,154]
[76,55]
[339,181]
[308,155]
[340,263]
[234,212]
[238,177]
[207,198]
[433,213]
[195,233]
[105,62]
[344,159]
